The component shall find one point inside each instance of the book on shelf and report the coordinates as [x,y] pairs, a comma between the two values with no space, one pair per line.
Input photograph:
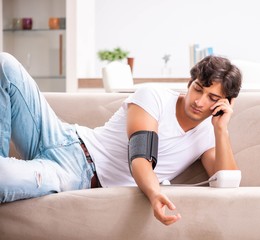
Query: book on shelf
[197,53]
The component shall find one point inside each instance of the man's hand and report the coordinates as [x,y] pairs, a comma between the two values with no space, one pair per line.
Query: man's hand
[159,204]
[223,105]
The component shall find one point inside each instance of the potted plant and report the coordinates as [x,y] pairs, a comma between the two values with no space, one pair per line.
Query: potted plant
[117,54]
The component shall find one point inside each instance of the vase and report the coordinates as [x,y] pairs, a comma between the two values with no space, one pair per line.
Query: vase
[17,23]
[27,23]
[166,71]
[54,23]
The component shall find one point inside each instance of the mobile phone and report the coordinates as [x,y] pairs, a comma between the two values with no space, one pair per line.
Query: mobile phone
[220,113]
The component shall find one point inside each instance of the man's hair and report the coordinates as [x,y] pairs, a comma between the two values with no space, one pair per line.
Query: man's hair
[218,69]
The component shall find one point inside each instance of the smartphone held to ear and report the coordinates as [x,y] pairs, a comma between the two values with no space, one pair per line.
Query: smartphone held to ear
[220,113]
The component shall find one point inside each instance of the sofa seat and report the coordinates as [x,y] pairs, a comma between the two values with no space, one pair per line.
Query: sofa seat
[124,213]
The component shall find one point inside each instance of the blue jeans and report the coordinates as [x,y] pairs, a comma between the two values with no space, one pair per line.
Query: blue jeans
[53,160]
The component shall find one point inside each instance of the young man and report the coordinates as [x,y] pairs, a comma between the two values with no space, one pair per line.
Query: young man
[154,136]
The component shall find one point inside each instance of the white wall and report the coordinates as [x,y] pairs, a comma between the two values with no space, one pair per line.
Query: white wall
[151,28]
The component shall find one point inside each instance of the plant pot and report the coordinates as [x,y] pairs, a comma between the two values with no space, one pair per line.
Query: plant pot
[130,62]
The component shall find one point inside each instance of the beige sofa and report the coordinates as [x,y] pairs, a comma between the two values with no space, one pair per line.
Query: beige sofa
[124,212]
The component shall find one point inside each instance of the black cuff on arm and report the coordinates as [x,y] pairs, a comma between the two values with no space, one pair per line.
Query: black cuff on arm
[143,144]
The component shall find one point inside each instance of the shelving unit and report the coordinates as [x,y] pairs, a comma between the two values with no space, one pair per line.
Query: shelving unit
[42,44]
[41,50]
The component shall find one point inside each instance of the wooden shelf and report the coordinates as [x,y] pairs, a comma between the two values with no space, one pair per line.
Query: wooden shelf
[97,82]
[33,30]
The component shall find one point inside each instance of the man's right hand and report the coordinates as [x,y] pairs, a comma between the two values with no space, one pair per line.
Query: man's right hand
[159,203]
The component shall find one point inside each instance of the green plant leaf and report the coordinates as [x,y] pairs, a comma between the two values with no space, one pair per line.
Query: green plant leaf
[115,54]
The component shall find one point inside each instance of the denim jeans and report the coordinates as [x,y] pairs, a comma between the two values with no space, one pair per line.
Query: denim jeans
[52,159]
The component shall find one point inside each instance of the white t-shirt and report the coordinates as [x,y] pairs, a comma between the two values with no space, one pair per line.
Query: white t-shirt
[177,149]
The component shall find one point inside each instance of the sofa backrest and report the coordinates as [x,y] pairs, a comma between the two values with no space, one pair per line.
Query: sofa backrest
[244,130]
[94,109]
[87,109]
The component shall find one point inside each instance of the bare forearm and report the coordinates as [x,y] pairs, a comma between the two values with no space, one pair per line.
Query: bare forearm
[149,184]
[142,169]
[224,154]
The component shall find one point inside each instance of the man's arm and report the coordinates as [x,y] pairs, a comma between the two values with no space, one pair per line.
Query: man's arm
[221,157]
[138,119]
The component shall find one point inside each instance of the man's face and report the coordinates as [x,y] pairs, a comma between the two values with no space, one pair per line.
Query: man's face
[199,99]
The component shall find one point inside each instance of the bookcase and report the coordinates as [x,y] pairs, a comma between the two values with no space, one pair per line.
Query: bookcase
[41,50]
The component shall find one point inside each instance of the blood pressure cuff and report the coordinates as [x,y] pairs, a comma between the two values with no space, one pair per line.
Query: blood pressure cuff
[143,144]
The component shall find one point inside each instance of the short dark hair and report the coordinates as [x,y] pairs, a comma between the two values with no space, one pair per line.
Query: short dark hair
[218,69]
